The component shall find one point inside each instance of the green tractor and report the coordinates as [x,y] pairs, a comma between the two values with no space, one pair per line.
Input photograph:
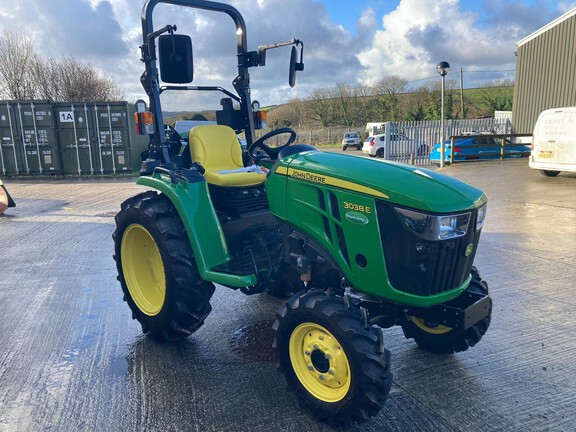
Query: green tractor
[355,244]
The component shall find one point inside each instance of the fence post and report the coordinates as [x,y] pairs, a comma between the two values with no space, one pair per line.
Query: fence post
[387,131]
[417,142]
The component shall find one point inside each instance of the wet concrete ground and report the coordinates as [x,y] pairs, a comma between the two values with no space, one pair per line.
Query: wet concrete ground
[72,359]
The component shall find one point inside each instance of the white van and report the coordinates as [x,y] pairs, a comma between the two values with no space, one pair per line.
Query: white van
[554,142]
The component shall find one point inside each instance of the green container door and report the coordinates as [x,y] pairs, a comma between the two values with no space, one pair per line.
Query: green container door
[113,130]
[76,137]
[38,135]
[116,160]
[10,158]
[112,115]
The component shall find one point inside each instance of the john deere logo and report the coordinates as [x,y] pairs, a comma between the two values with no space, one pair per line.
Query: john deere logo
[469,249]
[356,218]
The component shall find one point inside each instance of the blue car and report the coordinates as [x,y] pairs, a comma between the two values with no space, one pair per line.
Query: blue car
[478,147]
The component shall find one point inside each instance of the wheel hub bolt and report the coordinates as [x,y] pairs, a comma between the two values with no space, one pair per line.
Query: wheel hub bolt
[310,367]
[315,348]
[322,378]
[327,356]
[330,371]
[307,352]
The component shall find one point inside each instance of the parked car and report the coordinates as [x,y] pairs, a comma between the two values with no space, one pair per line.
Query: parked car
[351,139]
[400,146]
[478,147]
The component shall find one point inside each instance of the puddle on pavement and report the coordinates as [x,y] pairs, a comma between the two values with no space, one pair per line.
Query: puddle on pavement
[254,342]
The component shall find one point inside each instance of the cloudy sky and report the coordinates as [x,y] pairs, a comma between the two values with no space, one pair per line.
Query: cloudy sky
[346,41]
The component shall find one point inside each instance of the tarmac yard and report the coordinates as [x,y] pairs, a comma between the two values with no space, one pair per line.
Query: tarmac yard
[72,359]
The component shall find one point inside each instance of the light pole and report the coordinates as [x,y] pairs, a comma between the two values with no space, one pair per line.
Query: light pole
[442,68]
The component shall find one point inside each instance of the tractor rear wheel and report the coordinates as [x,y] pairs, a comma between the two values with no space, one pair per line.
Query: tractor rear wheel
[336,365]
[157,270]
[441,339]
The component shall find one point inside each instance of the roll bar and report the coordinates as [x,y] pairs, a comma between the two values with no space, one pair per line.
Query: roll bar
[150,77]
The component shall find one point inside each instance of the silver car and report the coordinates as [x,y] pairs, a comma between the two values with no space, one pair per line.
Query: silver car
[351,139]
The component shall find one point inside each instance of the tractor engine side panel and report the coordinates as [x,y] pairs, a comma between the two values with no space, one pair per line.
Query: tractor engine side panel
[343,223]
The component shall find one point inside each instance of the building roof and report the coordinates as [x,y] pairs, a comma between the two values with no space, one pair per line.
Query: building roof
[547,27]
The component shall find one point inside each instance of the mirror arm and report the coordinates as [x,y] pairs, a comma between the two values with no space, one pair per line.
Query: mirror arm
[263,48]
[168,29]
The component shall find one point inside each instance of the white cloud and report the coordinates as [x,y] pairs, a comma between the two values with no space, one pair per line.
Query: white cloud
[409,41]
[420,33]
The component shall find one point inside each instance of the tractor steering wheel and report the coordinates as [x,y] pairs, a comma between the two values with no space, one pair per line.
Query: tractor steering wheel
[271,152]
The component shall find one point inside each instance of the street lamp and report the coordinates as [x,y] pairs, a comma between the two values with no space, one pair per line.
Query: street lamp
[442,68]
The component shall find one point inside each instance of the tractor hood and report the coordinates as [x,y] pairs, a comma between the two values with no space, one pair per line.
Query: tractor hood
[401,184]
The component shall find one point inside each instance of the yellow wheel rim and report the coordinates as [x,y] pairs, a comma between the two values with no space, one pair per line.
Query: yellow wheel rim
[319,362]
[439,329]
[143,269]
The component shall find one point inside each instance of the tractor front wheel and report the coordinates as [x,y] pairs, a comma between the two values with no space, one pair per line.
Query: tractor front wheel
[336,365]
[441,339]
[157,270]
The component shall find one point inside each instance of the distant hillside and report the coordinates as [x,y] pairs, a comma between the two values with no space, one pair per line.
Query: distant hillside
[357,111]
[410,106]
[171,117]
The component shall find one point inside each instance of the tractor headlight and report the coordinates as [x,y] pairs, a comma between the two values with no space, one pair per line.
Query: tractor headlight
[435,227]
[481,217]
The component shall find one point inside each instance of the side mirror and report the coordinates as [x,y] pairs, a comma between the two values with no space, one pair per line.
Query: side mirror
[294,66]
[175,57]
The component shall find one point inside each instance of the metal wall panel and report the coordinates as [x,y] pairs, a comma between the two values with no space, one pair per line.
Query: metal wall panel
[545,74]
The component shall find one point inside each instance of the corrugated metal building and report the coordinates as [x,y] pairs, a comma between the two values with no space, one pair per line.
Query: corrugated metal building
[545,71]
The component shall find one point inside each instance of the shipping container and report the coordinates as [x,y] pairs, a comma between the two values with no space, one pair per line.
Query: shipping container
[10,158]
[39,137]
[30,144]
[98,138]
[39,143]
[76,137]
[113,128]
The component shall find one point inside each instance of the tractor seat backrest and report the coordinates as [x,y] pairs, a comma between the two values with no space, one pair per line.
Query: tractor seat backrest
[217,148]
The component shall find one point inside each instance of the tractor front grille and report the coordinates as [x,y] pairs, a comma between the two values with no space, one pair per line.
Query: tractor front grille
[422,267]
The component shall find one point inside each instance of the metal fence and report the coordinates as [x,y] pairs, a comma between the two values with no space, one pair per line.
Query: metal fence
[420,136]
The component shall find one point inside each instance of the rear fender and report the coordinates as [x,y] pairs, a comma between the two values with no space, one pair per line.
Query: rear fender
[193,203]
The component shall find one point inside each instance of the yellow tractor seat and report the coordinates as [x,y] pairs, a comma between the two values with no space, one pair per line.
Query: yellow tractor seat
[217,148]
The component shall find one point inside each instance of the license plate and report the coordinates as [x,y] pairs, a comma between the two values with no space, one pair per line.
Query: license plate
[545,155]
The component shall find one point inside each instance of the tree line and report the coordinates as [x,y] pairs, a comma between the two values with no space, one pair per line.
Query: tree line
[26,74]
[390,99]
